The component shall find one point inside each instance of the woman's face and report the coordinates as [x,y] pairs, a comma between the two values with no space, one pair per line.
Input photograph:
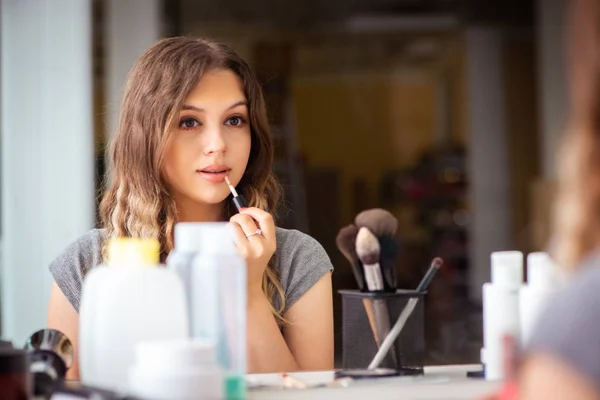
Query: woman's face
[212,141]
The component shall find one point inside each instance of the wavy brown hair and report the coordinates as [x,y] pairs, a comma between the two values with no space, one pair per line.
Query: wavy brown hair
[577,222]
[138,204]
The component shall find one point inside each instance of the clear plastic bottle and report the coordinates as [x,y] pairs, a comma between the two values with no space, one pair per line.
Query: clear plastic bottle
[218,301]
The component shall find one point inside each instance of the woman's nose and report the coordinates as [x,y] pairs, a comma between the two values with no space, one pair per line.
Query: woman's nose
[215,141]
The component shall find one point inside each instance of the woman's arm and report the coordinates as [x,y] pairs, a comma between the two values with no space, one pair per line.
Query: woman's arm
[545,377]
[307,342]
[307,339]
[309,333]
[267,349]
[63,317]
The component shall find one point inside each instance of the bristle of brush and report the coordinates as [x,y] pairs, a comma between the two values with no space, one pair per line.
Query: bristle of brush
[389,247]
[367,246]
[346,242]
[379,221]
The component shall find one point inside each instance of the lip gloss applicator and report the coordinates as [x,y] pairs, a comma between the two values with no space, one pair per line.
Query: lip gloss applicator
[238,200]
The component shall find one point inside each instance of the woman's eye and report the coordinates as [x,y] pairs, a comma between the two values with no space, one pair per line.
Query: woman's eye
[235,121]
[188,123]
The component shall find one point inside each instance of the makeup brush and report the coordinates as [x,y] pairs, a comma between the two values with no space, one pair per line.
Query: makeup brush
[367,249]
[346,242]
[383,225]
[407,311]
[238,200]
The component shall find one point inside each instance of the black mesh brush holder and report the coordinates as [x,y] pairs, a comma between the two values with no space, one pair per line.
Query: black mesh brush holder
[365,318]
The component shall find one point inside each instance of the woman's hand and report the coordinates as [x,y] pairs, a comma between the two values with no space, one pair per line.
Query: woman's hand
[256,242]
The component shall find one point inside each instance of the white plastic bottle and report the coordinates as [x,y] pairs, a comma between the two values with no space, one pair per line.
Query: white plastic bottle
[129,301]
[218,302]
[122,253]
[501,309]
[541,285]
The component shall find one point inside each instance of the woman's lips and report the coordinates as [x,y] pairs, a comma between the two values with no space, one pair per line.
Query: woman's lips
[213,176]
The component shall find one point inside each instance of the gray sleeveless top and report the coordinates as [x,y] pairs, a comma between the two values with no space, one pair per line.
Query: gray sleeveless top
[569,328]
[301,262]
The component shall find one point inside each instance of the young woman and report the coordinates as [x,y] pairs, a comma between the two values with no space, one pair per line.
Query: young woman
[192,114]
[563,359]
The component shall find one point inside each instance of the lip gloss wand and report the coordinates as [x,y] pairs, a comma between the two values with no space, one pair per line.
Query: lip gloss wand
[238,200]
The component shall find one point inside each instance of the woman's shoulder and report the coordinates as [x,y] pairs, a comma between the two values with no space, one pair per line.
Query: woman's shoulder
[71,265]
[87,247]
[301,261]
[290,240]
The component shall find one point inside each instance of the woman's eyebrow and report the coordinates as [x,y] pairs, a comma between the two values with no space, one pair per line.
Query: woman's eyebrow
[194,108]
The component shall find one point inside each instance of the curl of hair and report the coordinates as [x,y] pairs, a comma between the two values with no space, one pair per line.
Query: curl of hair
[577,207]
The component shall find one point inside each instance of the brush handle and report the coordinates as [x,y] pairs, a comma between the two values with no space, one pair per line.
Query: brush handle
[373,277]
[380,325]
[240,202]
[359,274]
[424,284]
[379,320]
[394,333]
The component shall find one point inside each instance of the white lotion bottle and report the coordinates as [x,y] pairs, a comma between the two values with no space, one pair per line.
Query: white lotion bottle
[501,309]
[541,285]
[131,300]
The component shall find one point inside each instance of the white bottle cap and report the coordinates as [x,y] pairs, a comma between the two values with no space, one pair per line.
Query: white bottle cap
[541,270]
[205,237]
[507,268]
[187,236]
[217,238]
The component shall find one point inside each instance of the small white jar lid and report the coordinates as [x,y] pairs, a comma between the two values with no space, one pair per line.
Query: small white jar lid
[176,369]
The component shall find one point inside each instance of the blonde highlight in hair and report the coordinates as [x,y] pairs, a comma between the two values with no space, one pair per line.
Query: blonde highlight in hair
[138,204]
[577,210]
